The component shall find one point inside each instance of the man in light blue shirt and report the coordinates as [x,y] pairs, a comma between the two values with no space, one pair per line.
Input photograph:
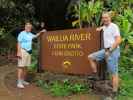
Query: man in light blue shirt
[24,52]
[25,40]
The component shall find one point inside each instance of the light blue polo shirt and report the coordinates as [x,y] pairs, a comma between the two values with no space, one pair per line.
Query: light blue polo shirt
[25,40]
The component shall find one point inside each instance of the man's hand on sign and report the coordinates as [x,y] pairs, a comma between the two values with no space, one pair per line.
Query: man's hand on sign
[42,31]
[99,29]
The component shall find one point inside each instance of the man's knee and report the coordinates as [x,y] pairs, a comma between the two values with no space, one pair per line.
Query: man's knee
[91,57]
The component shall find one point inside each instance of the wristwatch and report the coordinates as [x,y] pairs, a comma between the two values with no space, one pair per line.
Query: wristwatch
[111,49]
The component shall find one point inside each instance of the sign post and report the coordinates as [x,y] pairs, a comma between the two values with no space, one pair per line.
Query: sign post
[66,51]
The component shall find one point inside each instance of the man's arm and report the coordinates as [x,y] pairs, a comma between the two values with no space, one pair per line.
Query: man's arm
[99,29]
[19,50]
[40,33]
[117,42]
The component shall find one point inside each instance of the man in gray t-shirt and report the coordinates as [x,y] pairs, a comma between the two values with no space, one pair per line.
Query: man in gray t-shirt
[111,51]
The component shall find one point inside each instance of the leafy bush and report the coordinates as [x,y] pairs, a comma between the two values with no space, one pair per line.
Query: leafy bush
[65,88]
[126,73]
[90,12]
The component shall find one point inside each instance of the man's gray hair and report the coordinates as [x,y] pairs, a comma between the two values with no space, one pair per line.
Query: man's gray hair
[107,13]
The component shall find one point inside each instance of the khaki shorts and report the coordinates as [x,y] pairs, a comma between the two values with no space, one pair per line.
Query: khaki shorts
[25,60]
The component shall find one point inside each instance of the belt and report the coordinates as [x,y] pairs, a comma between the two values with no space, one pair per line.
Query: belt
[28,51]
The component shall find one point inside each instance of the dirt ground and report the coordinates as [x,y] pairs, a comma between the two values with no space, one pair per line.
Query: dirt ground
[31,92]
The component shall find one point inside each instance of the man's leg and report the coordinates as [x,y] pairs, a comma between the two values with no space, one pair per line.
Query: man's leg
[25,77]
[25,74]
[21,68]
[113,69]
[112,64]
[20,71]
[115,82]
[93,65]
[27,63]
[96,56]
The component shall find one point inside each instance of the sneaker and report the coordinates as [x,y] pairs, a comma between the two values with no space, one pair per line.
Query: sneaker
[93,77]
[114,94]
[20,85]
[25,83]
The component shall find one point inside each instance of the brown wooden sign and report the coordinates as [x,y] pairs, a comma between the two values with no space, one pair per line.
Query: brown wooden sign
[66,51]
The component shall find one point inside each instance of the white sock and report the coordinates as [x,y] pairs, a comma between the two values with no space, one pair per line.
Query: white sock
[20,81]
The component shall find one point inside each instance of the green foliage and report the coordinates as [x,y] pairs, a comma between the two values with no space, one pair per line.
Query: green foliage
[6,4]
[77,88]
[14,13]
[125,23]
[7,41]
[126,74]
[73,10]
[59,89]
[90,12]
[65,88]
[2,33]
[87,12]
[33,66]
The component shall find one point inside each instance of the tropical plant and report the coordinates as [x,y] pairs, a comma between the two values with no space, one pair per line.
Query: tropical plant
[7,4]
[90,12]
[12,12]
[125,23]
[73,10]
